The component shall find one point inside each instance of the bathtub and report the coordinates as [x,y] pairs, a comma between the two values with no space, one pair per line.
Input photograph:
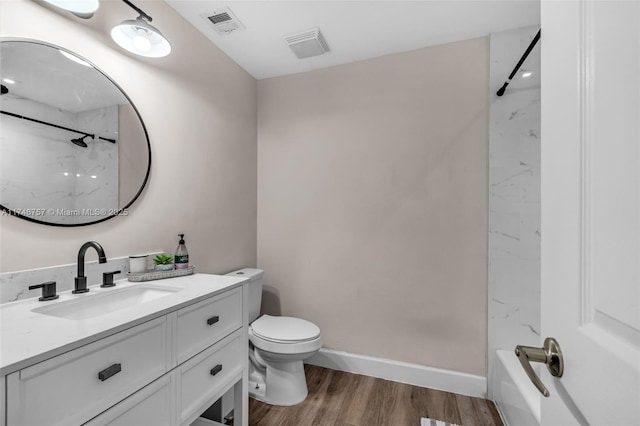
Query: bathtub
[518,401]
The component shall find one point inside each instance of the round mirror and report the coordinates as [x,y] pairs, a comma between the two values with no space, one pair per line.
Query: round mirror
[73,147]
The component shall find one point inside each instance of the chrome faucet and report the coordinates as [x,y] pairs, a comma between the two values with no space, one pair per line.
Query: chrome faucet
[81,280]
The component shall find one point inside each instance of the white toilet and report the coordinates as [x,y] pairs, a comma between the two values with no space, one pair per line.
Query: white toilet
[277,347]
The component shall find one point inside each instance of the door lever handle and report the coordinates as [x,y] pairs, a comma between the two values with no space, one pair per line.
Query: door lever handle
[550,354]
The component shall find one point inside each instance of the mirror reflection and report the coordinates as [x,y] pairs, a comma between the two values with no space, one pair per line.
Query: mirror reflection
[73,148]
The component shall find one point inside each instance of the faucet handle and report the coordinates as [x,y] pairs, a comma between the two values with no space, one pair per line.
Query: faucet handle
[48,290]
[107,278]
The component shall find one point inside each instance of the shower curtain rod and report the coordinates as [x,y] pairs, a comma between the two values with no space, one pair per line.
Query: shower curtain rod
[515,70]
[57,126]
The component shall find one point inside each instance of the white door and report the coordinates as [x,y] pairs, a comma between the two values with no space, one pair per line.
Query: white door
[591,209]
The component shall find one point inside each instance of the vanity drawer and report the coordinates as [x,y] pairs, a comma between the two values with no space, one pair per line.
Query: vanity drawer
[202,324]
[207,376]
[73,387]
[155,404]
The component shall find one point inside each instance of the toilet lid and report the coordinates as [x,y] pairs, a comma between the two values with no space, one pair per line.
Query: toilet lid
[284,329]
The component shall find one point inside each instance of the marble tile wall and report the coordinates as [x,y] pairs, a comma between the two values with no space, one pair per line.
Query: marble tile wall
[41,169]
[100,159]
[15,285]
[514,197]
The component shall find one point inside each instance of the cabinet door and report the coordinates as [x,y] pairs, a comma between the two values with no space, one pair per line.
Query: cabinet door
[73,387]
[155,404]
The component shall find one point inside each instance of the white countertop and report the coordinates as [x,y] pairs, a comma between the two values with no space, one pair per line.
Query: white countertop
[27,337]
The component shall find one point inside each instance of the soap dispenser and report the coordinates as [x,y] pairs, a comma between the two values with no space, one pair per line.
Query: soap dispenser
[181,259]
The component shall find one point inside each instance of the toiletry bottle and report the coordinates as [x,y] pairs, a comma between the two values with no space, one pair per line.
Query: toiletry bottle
[181,258]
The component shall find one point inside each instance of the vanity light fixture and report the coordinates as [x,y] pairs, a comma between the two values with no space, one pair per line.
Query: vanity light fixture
[526,74]
[81,8]
[139,36]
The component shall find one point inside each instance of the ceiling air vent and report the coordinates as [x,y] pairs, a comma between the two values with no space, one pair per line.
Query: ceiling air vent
[224,21]
[307,43]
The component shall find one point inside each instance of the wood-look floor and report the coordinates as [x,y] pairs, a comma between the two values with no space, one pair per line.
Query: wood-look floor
[337,398]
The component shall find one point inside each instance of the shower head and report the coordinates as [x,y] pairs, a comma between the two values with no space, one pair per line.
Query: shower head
[4,90]
[80,141]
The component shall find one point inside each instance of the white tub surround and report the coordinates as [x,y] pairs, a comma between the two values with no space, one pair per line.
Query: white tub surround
[514,198]
[519,400]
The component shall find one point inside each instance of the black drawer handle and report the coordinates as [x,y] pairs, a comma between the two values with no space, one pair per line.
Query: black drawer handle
[213,320]
[109,371]
[215,370]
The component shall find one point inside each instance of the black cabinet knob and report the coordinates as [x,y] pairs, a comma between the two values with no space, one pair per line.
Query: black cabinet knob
[109,371]
[48,290]
[213,320]
[215,370]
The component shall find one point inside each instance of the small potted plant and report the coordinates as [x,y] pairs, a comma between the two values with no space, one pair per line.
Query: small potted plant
[163,262]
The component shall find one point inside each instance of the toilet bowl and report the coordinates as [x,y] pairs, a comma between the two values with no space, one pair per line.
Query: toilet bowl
[278,346]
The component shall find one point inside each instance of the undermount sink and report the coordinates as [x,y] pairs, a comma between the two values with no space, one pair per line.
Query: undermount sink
[93,305]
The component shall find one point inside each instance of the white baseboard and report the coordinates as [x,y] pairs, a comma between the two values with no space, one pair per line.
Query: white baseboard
[403,372]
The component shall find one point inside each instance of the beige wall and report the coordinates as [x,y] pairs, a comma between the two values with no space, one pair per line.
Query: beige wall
[199,108]
[372,182]
[372,203]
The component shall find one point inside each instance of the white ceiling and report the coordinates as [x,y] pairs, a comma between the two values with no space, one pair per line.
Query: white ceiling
[354,30]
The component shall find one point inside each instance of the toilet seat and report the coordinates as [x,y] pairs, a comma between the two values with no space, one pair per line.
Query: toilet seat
[284,329]
[284,335]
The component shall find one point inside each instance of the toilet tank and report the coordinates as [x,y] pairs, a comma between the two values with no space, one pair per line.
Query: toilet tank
[255,289]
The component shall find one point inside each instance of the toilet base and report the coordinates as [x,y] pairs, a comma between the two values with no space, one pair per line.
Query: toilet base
[285,384]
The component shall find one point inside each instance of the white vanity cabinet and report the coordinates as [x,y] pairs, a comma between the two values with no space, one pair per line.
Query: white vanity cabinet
[165,371]
[73,387]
